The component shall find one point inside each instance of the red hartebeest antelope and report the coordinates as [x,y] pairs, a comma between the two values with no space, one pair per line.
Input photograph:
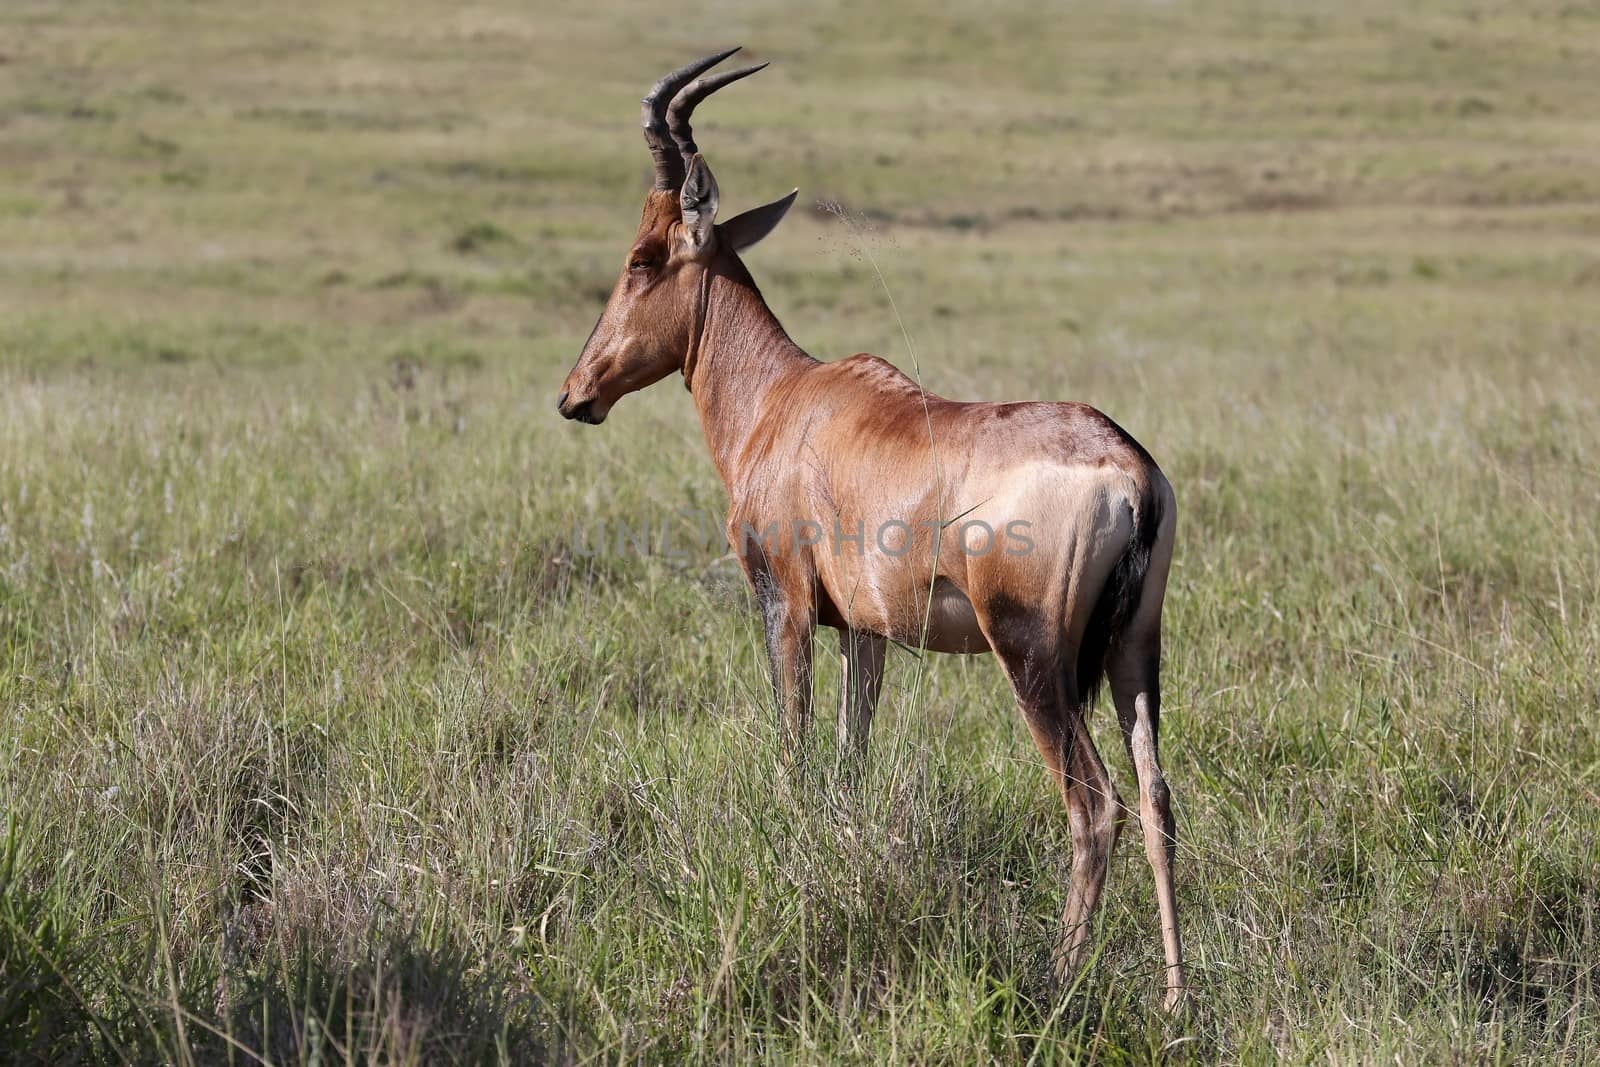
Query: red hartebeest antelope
[857,450]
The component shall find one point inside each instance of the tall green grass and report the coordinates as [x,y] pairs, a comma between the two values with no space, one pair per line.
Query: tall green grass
[326,741]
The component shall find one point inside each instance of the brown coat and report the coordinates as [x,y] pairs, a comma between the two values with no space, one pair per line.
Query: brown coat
[1039,531]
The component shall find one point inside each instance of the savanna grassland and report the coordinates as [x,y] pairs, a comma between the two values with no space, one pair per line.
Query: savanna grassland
[327,737]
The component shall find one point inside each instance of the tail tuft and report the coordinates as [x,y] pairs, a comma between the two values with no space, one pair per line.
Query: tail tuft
[1119,599]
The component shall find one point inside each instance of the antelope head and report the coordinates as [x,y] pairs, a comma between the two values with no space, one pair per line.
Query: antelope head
[652,320]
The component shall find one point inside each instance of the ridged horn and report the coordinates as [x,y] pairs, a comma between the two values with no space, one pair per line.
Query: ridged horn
[683,104]
[653,117]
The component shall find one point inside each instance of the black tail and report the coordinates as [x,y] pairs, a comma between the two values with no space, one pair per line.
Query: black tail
[1119,599]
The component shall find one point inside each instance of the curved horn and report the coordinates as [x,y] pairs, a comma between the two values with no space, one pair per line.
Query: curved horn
[653,117]
[683,106]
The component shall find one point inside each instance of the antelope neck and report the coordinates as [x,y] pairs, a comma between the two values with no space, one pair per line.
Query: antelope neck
[738,353]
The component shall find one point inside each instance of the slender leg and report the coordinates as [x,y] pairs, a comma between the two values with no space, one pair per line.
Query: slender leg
[1136,687]
[861,656]
[1093,807]
[790,624]
[1094,811]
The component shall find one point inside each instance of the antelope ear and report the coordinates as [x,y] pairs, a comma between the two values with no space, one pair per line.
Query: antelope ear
[698,201]
[745,229]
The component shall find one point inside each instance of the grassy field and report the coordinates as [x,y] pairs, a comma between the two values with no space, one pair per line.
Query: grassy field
[324,741]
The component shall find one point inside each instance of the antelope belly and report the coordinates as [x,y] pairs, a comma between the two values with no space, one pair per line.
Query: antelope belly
[951,624]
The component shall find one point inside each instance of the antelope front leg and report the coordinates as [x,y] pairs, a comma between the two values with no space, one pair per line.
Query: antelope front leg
[790,623]
[861,655]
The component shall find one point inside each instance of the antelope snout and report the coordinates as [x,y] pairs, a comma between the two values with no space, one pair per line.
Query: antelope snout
[579,410]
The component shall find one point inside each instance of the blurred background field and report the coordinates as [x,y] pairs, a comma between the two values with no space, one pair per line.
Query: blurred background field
[322,742]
